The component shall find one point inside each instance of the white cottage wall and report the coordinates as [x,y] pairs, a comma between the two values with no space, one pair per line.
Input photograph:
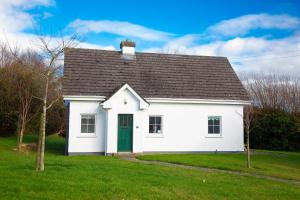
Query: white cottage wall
[185,128]
[86,143]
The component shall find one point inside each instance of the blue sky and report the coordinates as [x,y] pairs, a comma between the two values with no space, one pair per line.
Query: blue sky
[254,35]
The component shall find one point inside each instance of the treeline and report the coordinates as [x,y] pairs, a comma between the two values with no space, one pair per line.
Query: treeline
[31,91]
[275,123]
[22,84]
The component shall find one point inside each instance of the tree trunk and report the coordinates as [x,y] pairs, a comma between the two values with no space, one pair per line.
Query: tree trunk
[21,130]
[41,141]
[20,138]
[248,147]
[42,134]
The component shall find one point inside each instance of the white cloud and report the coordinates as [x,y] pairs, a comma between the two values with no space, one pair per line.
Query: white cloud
[261,54]
[245,54]
[242,25]
[181,45]
[26,41]
[47,15]
[95,46]
[15,19]
[125,29]
[13,15]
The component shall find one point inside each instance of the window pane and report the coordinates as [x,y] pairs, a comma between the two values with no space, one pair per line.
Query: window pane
[121,121]
[210,121]
[158,120]
[125,121]
[158,128]
[92,119]
[151,128]
[155,124]
[91,128]
[151,120]
[217,129]
[83,128]
[217,121]
[154,129]
[83,119]
[210,129]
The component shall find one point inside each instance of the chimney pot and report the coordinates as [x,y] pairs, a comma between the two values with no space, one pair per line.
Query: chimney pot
[127,47]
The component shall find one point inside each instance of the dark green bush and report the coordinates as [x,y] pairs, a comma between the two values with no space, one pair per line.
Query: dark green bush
[275,130]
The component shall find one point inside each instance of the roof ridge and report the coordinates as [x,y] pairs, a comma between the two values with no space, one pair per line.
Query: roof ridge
[149,53]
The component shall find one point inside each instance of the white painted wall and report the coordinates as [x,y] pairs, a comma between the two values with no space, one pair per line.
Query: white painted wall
[88,143]
[185,126]
[140,124]
[128,50]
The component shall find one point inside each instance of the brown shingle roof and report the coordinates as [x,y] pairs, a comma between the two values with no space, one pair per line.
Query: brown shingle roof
[100,72]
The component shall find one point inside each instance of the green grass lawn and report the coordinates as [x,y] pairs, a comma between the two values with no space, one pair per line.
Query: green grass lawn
[278,164]
[99,177]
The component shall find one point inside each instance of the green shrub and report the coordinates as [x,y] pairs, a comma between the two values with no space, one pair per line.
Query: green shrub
[275,130]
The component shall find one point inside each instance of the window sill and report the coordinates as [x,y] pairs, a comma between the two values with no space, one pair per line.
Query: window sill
[87,136]
[155,135]
[214,136]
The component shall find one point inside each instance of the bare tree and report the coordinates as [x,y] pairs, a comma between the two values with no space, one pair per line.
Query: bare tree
[52,50]
[277,92]
[248,118]
[25,92]
[26,87]
[20,75]
[8,55]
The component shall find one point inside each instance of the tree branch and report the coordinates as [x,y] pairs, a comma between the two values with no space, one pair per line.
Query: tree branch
[38,98]
[53,102]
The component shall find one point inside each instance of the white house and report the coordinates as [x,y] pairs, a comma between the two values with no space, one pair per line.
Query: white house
[126,101]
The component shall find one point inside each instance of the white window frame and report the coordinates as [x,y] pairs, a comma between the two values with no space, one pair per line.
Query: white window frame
[161,126]
[95,128]
[215,135]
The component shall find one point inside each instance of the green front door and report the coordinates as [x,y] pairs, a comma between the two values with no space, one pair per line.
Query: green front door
[125,124]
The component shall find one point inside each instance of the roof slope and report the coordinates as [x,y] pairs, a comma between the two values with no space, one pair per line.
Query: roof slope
[100,72]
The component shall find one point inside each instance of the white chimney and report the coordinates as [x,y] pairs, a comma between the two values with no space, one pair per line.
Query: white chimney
[127,47]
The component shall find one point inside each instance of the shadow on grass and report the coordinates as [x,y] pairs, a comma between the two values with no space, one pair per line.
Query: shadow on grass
[55,145]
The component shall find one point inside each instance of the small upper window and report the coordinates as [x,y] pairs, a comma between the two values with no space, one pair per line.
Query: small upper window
[87,123]
[214,125]
[155,124]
